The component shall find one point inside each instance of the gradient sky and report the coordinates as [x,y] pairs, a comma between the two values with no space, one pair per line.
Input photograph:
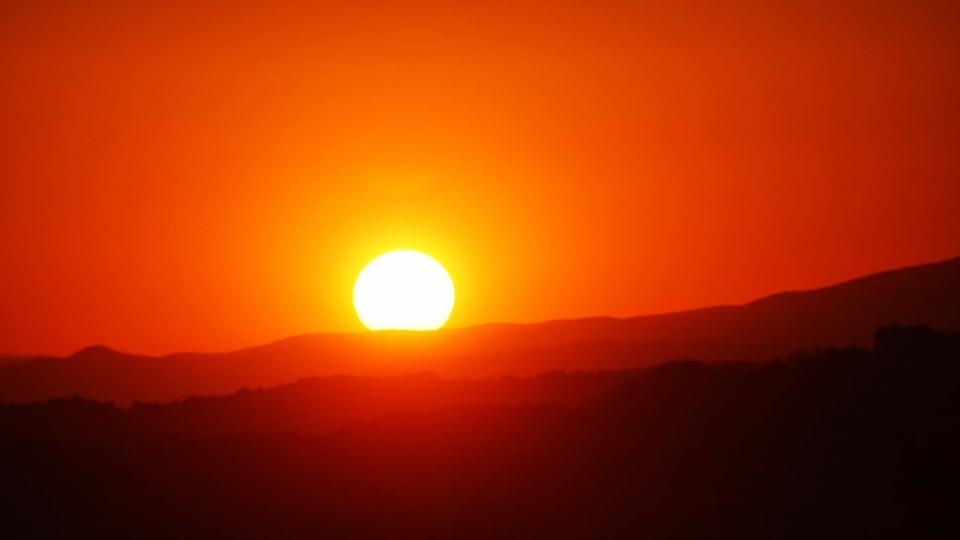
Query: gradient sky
[212,175]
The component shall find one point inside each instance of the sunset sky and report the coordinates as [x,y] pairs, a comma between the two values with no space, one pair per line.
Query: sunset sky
[214,175]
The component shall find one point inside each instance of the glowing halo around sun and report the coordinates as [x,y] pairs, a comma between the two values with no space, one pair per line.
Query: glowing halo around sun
[403,290]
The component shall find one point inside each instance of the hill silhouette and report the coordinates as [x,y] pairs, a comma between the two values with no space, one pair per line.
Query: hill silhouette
[839,443]
[840,316]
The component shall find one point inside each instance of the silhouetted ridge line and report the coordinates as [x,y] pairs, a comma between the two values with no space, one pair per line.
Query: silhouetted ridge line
[843,315]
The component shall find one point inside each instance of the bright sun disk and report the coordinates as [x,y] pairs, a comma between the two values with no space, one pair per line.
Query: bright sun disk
[403,290]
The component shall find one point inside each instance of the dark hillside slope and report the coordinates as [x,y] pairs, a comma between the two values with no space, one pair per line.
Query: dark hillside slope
[851,444]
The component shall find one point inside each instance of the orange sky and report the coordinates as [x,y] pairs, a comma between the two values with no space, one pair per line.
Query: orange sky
[207,176]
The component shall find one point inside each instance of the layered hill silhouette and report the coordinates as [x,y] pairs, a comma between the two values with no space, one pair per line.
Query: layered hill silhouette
[837,316]
[851,443]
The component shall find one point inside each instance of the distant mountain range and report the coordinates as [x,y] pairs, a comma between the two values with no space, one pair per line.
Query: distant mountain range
[841,315]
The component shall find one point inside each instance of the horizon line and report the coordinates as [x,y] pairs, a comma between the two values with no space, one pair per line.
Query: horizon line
[8,357]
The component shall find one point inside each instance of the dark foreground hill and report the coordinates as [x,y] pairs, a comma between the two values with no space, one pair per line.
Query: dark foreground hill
[842,315]
[851,444]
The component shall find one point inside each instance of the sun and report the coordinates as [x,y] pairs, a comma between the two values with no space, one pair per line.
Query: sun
[403,290]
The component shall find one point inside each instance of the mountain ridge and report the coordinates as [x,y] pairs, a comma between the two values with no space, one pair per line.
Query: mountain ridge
[840,315]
